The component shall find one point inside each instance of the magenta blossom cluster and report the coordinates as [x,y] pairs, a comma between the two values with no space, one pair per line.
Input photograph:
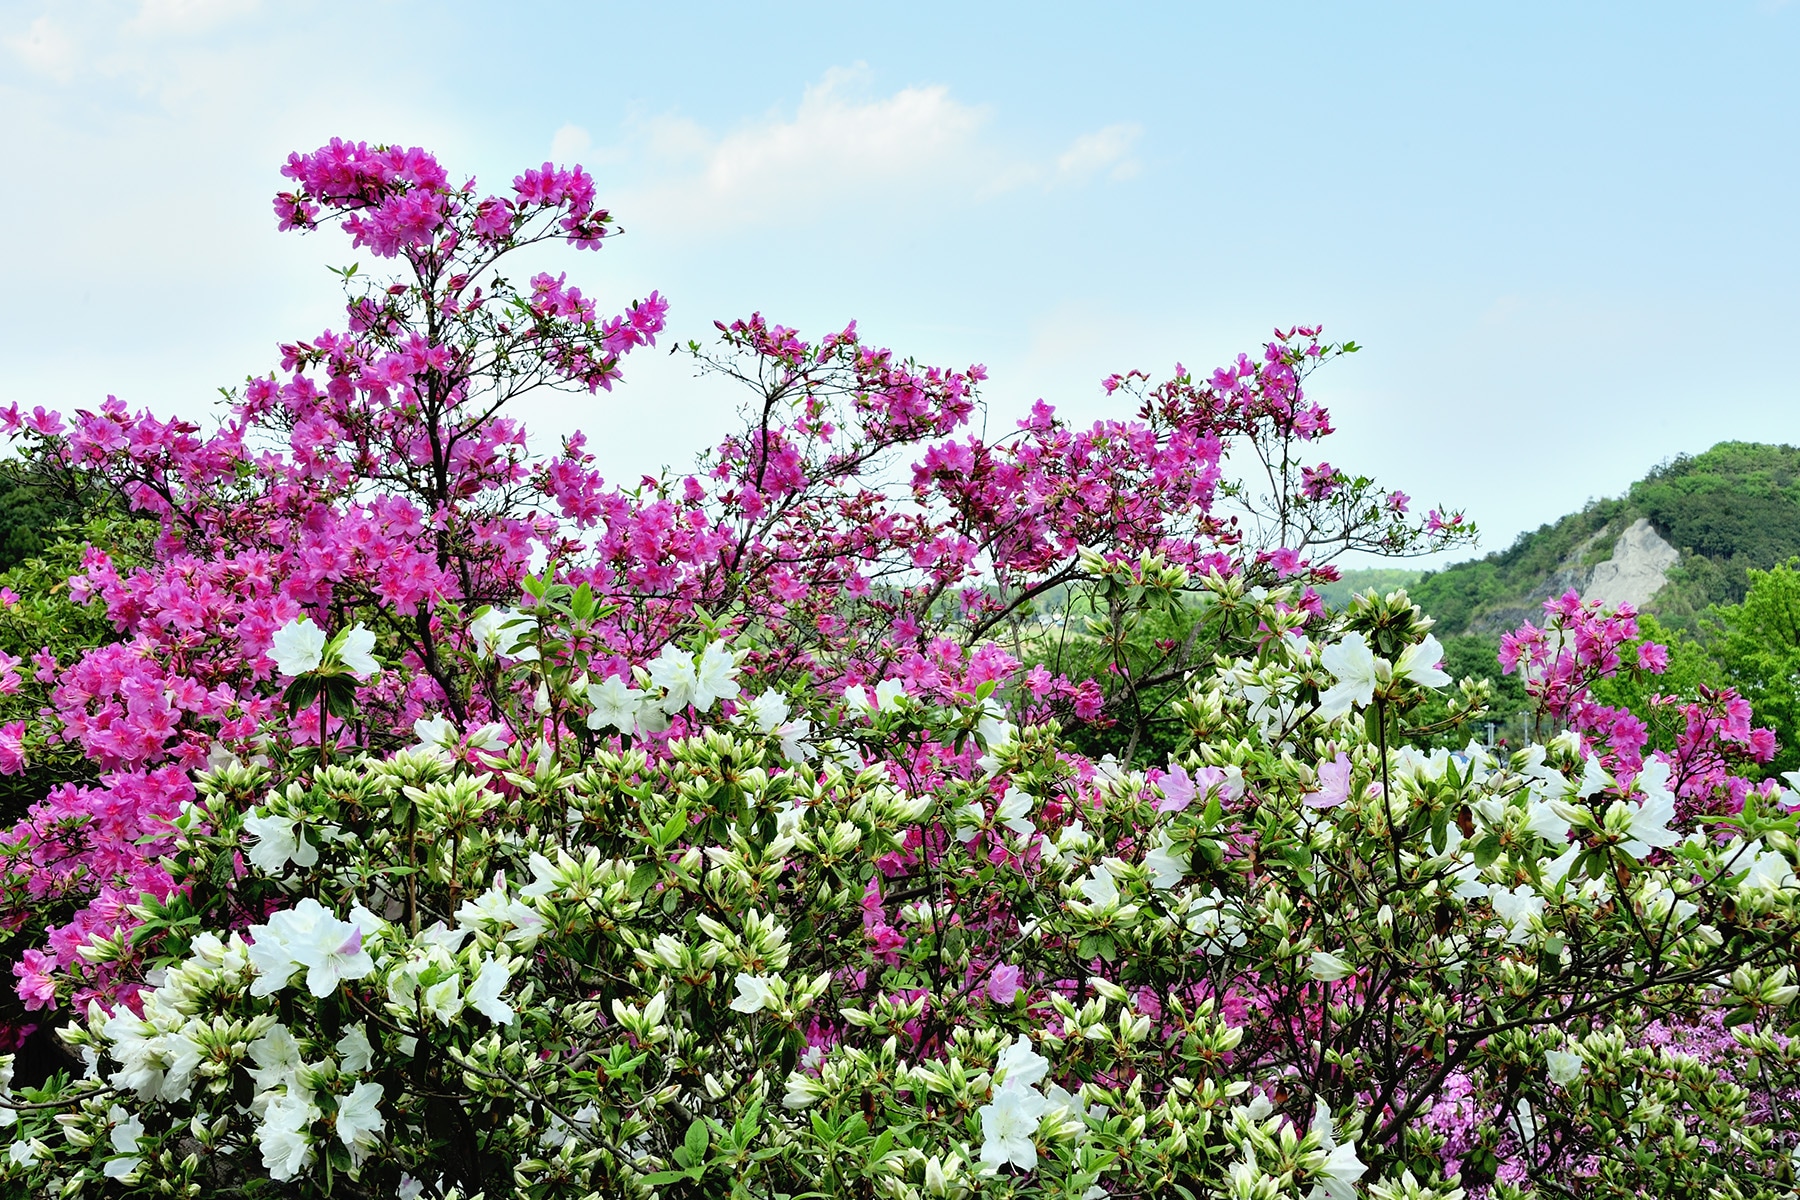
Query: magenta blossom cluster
[1580,644]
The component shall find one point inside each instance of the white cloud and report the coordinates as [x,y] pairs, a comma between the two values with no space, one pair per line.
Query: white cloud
[46,48]
[156,17]
[1107,149]
[840,145]
[844,149]
[569,144]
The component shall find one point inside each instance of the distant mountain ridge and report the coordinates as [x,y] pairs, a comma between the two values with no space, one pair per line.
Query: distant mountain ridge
[1682,538]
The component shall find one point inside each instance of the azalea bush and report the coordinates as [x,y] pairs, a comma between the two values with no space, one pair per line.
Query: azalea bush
[897,969]
[454,824]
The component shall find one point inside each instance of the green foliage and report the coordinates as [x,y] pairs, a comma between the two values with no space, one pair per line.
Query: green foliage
[1737,503]
[45,617]
[28,521]
[1135,648]
[1755,647]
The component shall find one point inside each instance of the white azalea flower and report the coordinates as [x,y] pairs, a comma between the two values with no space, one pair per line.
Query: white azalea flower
[1099,888]
[298,647]
[1649,826]
[443,999]
[278,842]
[616,705]
[277,1058]
[484,631]
[969,820]
[1165,867]
[285,1136]
[543,877]
[1074,838]
[794,746]
[356,1054]
[888,695]
[493,632]
[1258,1108]
[1342,1168]
[1353,663]
[1564,1066]
[1019,1065]
[1014,813]
[673,671]
[492,737]
[1419,663]
[309,936]
[1524,1122]
[1768,871]
[1072,1103]
[1516,907]
[436,736]
[359,1119]
[1593,779]
[1209,919]
[768,711]
[1542,818]
[1558,868]
[790,818]
[484,994]
[754,993]
[357,651]
[996,732]
[126,1130]
[270,953]
[715,677]
[441,935]
[1007,1123]
[497,907]
[333,953]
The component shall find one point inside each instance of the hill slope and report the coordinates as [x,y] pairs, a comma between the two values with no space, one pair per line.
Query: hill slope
[1684,536]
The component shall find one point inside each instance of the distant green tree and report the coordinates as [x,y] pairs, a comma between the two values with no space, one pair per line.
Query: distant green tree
[29,518]
[1143,652]
[44,617]
[1361,579]
[1756,646]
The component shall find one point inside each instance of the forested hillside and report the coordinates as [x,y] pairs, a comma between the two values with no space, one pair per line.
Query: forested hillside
[1727,511]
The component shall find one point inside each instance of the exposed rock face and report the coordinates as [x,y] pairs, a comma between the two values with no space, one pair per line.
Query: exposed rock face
[1638,568]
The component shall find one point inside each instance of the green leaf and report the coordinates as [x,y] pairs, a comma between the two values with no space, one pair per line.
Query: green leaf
[698,1137]
[661,1177]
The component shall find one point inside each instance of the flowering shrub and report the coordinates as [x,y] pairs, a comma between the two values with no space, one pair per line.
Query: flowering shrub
[738,850]
[1301,957]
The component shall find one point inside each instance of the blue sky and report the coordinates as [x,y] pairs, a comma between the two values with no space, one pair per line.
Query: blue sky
[1565,233]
